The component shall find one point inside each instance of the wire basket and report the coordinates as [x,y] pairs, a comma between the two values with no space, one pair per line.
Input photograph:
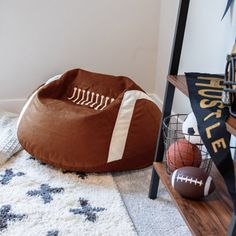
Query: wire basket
[173,134]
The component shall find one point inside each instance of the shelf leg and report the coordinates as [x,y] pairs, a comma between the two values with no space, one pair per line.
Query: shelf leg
[159,155]
[232,227]
[154,184]
[170,89]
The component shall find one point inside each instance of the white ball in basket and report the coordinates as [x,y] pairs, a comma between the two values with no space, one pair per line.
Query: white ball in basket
[190,129]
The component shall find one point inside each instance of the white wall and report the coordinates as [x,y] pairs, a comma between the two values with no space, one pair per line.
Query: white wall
[130,37]
[39,39]
[207,41]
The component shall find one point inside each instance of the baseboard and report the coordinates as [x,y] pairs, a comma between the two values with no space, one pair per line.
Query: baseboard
[12,105]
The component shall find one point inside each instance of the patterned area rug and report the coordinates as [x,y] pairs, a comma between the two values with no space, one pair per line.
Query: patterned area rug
[36,199]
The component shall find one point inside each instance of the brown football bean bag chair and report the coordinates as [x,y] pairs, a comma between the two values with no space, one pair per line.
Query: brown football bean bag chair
[84,121]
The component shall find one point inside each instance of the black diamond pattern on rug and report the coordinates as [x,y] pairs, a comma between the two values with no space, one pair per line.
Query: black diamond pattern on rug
[45,192]
[8,176]
[81,175]
[34,159]
[53,233]
[31,158]
[6,215]
[87,210]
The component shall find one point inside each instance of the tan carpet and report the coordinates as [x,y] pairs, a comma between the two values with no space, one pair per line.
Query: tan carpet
[157,217]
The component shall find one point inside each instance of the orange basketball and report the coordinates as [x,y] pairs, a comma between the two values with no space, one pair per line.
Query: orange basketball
[183,153]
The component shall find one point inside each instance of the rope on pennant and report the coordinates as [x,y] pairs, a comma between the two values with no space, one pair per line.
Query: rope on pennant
[229,4]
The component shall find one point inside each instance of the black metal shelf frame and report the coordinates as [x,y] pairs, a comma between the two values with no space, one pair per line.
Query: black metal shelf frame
[169,97]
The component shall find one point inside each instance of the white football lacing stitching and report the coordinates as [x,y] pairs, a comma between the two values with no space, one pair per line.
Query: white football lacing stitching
[88,98]
[91,101]
[187,179]
[78,95]
[102,97]
[83,93]
[106,101]
[97,96]
[74,92]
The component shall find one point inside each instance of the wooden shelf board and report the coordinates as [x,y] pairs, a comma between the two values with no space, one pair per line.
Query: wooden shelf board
[180,83]
[210,216]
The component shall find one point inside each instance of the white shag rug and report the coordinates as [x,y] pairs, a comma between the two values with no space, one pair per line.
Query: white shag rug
[36,199]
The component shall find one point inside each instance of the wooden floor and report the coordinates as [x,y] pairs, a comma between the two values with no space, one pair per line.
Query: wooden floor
[207,217]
